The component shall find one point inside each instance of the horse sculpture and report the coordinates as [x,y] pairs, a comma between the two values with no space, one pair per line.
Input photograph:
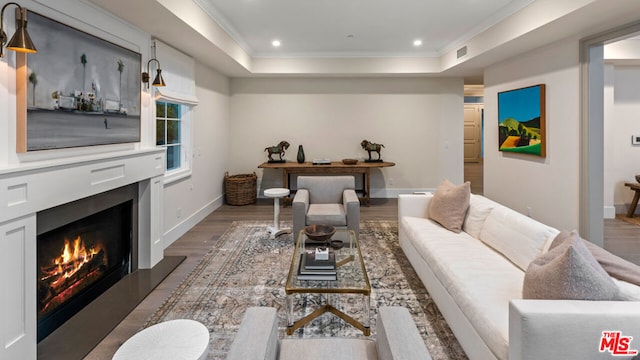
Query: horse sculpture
[278,149]
[369,147]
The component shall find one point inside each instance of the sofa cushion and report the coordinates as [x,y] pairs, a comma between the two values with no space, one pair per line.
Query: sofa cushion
[460,261]
[615,266]
[627,291]
[568,271]
[479,209]
[326,189]
[449,205]
[327,348]
[518,237]
[330,214]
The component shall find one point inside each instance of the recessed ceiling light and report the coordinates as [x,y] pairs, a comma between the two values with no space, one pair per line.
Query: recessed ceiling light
[417,42]
[275,43]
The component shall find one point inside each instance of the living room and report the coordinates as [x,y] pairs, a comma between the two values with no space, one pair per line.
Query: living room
[329,105]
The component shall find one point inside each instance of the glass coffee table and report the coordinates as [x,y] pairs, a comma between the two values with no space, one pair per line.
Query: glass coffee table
[351,279]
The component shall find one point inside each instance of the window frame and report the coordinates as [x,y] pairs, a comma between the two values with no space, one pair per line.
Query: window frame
[186,140]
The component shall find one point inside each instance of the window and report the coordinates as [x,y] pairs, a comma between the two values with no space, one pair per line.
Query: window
[172,133]
[168,123]
[174,110]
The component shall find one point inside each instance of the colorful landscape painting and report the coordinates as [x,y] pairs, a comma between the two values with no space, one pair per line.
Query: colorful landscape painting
[521,120]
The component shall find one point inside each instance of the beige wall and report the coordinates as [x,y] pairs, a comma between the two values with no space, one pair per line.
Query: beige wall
[546,188]
[419,121]
[189,200]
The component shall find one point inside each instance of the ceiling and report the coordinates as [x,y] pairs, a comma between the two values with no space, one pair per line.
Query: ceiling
[460,38]
[355,27]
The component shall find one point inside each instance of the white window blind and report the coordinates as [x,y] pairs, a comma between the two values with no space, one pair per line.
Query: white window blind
[178,72]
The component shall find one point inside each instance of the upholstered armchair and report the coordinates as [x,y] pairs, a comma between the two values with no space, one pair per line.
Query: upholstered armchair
[330,200]
[397,338]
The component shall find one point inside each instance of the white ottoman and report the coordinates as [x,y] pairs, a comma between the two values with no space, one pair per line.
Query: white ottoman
[174,339]
[276,194]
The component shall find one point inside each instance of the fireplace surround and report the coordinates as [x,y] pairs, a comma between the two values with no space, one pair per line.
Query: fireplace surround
[28,190]
[83,248]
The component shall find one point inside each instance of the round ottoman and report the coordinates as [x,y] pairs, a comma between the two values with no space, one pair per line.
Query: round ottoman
[276,194]
[174,339]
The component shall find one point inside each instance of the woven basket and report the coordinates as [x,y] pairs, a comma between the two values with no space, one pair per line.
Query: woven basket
[240,189]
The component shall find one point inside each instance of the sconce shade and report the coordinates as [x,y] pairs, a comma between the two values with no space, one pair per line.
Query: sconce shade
[158,81]
[21,41]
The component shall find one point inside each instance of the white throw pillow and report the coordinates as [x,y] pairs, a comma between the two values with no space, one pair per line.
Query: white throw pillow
[479,209]
[518,237]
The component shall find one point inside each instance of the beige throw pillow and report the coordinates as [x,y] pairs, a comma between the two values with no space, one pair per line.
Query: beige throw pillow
[449,205]
[568,271]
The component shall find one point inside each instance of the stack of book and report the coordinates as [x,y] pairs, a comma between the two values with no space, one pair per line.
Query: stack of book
[314,269]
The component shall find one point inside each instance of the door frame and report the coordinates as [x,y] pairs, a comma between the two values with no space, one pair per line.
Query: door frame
[591,198]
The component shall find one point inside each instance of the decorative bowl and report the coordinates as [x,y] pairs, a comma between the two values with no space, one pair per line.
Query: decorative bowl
[638,178]
[349,161]
[319,232]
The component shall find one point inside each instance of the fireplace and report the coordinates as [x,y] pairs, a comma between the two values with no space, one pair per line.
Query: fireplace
[83,248]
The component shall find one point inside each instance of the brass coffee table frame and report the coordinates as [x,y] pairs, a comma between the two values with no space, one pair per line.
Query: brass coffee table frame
[351,279]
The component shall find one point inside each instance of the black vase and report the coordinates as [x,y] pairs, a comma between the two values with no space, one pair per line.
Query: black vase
[300,154]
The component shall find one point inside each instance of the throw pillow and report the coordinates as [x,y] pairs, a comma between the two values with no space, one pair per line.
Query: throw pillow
[615,266]
[449,205]
[568,271]
[479,209]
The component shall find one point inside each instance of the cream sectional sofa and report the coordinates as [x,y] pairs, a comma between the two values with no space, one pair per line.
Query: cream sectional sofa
[476,277]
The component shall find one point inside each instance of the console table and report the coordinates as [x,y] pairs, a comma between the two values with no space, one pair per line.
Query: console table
[294,168]
[634,203]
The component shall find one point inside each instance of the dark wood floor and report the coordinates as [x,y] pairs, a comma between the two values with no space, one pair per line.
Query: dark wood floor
[621,238]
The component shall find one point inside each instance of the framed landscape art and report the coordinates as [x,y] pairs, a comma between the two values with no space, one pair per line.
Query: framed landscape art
[79,90]
[521,121]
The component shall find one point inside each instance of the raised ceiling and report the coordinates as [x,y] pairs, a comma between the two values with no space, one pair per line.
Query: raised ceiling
[234,36]
[355,27]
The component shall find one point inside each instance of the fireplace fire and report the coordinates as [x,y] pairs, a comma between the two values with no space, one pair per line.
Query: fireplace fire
[76,268]
[79,260]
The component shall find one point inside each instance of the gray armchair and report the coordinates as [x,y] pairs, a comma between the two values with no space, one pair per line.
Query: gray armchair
[397,338]
[330,200]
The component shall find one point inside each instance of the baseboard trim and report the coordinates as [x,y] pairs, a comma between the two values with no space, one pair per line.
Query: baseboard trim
[609,212]
[180,229]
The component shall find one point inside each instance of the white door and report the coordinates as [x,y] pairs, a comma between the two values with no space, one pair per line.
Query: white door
[472,132]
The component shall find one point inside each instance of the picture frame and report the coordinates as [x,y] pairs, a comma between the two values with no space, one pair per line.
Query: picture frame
[522,121]
[78,90]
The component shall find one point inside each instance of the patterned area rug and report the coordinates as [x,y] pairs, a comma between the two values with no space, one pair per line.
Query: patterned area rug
[245,268]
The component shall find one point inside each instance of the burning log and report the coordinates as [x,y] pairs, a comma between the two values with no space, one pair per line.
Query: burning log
[58,279]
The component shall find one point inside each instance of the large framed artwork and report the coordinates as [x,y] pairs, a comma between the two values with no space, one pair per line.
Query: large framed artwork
[521,121]
[80,90]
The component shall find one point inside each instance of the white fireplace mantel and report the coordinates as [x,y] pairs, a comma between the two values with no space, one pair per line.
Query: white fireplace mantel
[27,189]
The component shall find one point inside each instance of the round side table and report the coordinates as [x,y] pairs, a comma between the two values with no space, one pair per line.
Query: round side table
[174,339]
[276,194]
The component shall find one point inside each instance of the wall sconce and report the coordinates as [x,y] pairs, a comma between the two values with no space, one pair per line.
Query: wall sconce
[21,41]
[158,81]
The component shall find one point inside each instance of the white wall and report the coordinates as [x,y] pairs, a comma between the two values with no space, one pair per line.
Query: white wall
[546,188]
[418,120]
[622,159]
[189,200]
